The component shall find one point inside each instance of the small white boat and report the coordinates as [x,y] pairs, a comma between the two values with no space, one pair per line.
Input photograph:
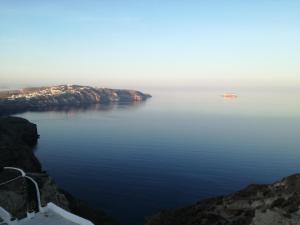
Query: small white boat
[229,95]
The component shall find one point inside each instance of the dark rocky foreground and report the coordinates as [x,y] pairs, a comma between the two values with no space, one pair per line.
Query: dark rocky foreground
[17,140]
[274,204]
[62,96]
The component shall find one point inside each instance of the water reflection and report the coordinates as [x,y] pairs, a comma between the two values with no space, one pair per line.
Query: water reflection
[80,108]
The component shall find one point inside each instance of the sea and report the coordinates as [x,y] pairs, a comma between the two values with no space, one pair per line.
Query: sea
[180,146]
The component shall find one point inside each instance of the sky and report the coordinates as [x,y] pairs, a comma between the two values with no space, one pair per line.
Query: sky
[153,43]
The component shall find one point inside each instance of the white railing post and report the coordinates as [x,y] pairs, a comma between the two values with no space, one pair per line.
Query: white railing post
[36,186]
[38,194]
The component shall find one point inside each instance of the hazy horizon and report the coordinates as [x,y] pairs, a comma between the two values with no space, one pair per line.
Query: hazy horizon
[224,77]
[153,44]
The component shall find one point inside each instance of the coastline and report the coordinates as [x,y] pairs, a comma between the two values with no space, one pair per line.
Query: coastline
[276,204]
[64,97]
[18,138]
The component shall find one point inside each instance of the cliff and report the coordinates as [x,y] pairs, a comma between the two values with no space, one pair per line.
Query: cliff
[274,204]
[44,98]
[17,140]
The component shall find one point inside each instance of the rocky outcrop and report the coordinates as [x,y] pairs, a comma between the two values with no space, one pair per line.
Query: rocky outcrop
[44,98]
[275,204]
[17,139]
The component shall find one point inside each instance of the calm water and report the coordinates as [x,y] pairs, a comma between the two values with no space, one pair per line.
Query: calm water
[171,151]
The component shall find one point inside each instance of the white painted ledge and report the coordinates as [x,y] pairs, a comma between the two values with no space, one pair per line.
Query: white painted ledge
[67,215]
[5,215]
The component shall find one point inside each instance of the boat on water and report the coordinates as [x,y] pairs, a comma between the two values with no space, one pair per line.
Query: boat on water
[229,95]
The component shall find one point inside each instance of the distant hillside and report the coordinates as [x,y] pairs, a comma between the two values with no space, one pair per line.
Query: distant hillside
[42,98]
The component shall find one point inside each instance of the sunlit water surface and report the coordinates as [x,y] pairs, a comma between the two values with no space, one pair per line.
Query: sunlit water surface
[170,151]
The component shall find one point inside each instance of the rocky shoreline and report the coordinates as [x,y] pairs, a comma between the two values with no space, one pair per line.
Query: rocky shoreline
[64,96]
[273,204]
[17,140]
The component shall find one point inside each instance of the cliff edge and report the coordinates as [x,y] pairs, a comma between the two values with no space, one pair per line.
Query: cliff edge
[17,140]
[269,204]
[274,204]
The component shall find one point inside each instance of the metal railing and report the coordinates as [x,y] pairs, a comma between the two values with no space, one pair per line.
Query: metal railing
[25,177]
[50,207]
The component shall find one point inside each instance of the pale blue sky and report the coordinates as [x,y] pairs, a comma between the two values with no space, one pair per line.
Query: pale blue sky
[150,43]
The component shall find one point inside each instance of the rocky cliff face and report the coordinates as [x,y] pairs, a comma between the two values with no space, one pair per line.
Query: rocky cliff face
[17,139]
[275,204]
[44,98]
